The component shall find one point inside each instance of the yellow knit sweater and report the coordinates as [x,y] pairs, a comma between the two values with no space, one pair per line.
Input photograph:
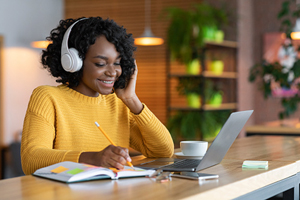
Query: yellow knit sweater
[60,124]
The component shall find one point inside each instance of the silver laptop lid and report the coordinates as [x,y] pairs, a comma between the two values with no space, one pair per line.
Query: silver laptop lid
[224,139]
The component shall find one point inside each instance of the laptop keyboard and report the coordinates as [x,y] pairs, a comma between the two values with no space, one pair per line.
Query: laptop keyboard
[186,163]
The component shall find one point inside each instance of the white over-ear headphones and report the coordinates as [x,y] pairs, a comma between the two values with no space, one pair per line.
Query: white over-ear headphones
[70,60]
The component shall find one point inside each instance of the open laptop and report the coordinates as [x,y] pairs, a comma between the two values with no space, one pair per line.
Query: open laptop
[215,153]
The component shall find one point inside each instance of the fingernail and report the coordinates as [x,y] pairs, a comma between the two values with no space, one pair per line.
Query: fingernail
[129,159]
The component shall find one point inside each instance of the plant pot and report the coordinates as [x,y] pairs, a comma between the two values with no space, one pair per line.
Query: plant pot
[194,67]
[217,67]
[216,100]
[209,33]
[219,36]
[193,100]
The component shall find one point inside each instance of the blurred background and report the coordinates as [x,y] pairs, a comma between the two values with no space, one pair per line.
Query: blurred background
[231,33]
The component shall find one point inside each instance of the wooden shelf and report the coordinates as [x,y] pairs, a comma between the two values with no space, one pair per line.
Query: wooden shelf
[224,106]
[208,74]
[185,75]
[225,43]
[207,107]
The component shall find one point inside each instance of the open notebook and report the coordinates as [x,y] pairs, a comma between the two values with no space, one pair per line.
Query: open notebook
[70,172]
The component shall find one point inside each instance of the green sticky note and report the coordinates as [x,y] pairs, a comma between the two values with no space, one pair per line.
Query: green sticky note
[255,164]
[75,171]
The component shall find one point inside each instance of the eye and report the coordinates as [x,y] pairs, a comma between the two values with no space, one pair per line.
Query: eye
[99,64]
[117,62]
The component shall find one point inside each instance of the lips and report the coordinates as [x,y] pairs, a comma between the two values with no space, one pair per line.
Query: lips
[107,83]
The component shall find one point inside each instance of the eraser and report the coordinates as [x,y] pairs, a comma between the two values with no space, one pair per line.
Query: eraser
[255,164]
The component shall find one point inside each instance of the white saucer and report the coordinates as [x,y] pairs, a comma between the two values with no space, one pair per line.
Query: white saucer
[181,155]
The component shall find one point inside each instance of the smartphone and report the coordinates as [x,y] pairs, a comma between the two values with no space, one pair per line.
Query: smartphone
[195,175]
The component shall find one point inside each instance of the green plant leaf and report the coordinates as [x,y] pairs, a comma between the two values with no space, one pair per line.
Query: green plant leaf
[296,68]
[296,13]
[189,85]
[284,10]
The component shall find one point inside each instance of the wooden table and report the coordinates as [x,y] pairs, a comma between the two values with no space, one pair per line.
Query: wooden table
[289,127]
[234,182]
[275,148]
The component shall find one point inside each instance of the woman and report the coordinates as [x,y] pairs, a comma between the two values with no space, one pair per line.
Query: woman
[97,86]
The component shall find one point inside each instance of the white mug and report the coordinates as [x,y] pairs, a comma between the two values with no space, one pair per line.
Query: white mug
[193,148]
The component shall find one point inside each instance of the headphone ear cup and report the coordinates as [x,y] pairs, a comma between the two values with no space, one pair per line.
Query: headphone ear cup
[66,62]
[77,61]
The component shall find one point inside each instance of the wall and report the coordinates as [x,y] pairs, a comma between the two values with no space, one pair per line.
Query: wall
[245,57]
[22,22]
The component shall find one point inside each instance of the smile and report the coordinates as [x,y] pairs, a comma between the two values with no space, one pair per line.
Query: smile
[107,82]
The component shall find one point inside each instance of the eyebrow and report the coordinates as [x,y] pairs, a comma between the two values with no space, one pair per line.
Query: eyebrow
[104,57]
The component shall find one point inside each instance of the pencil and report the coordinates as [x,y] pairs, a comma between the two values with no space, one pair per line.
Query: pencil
[112,142]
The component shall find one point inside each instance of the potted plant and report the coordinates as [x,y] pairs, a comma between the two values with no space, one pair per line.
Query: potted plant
[217,67]
[213,93]
[272,73]
[213,32]
[191,87]
[215,63]
[188,29]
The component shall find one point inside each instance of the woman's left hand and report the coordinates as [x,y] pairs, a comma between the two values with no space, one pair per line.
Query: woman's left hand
[129,91]
[128,95]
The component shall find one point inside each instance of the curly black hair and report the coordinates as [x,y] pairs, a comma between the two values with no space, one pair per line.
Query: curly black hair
[82,36]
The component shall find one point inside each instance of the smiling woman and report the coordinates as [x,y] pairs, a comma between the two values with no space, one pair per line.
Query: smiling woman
[93,59]
[102,69]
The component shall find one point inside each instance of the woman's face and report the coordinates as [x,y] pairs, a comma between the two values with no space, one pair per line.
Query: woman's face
[101,68]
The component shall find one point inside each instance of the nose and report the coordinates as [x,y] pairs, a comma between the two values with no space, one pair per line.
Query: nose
[110,71]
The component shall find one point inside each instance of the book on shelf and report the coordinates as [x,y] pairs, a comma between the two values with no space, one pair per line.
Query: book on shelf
[69,172]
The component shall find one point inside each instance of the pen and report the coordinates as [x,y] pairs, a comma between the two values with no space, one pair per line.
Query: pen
[129,163]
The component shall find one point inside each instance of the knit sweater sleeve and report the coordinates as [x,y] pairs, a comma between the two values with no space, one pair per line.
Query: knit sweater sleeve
[39,134]
[149,136]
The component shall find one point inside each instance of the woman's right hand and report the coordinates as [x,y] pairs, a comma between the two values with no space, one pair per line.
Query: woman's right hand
[111,156]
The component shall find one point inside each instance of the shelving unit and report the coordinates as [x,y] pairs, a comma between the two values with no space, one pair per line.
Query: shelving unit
[225,51]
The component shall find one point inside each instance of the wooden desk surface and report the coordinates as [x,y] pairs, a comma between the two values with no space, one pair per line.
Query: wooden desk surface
[291,126]
[271,148]
[281,152]
[233,182]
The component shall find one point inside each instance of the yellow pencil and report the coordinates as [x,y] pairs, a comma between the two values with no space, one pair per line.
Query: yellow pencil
[129,163]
